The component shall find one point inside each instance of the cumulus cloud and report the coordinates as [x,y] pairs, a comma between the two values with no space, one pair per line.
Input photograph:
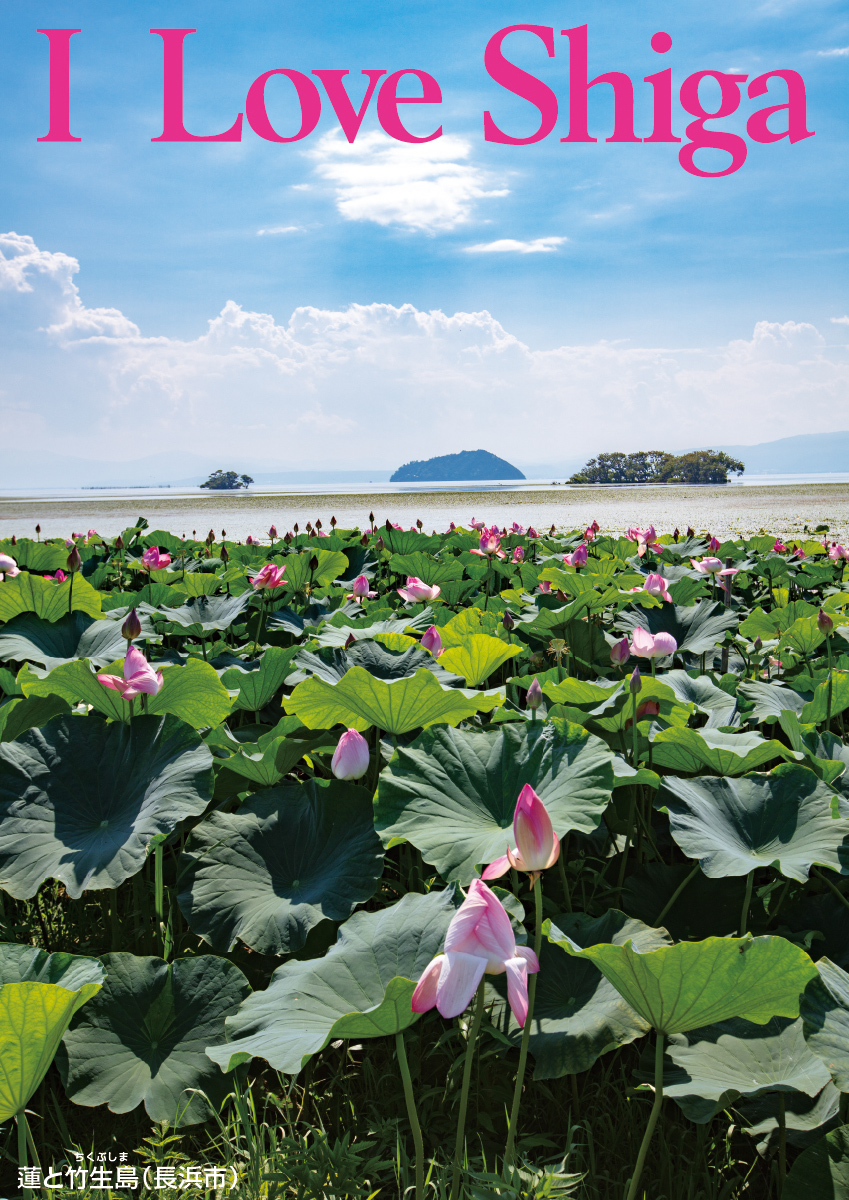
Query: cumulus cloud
[368,385]
[543,245]
[428,188]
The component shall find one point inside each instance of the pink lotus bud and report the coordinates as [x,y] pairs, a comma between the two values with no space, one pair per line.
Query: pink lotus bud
[533,699]
[508,621]
[381,545]
[139,677]
[360,588]
[648,708]
[676,534]
[656,585]
[74,561]
[131,628]
[635,683]
[59,576]
[518,554]
[595,527]
[620,652]
[351,756]
[824,621]
[589,533]
[532,533]
[708,566]
[272,533]
[349,641]
[779,547]
[578,557]
[714,544]
[432,641]
[537,846]
[758,645]
[648,645]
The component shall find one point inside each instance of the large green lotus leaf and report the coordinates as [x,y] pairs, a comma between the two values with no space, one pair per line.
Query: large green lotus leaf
[817,709]
[578,1014]
[330,663]
[477,658]
[705,908]
[193,692]
[28,638]
[825,1010]
[716,1066]
[693,750]
[358,701]
[425,567]
[143,1038]
[28,964]
[269,761]
[696,629]
[331,634]
[331,565]
[453,793]
[257,688]
[804,635]
[198,583]
[81,800]
[826,753]
[705,695]
[822,1171]
[690,984]
[361,988]
[16,716]
[33,1017]
[805,1119]
[46,598]
[280,864]
[733,826]
[770,700]
[40,556]
[205,614]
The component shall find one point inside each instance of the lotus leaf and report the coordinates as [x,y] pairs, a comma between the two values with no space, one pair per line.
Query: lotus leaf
[453,793]
[361,988]
[696,629]
[206,614]
[46,598]
[477,658]
[825,1010]
[80,800]
[694,750]
[143,1038]
[257,688]
[16,716]
[28,964]
[770,700]
[822,1171]
[28,638]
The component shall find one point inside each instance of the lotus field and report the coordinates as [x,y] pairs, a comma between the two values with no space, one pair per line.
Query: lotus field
[491,862]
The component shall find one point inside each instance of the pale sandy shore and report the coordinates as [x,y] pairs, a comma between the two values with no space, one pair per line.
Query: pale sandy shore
[725,511]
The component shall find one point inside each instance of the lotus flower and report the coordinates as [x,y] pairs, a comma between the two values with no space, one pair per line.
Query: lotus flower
[544,586]
[648,708]
[518,554]
[620,652]
[578,557]
[589,533]
[8,566]
[517,529]
[537,846]
[272,533]
[714,544]
[837,552]
[360,590]
[490,545]
[713,566]
[416,590]
[655,585]
[269,577]
[532,533]
[473,524]
[479,941]
[779,547]
[59,577]
[139,677]
[652,645]
[432,641]
[641,535]
[152,560]
[351,756]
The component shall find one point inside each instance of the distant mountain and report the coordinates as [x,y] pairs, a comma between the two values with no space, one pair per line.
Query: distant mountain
[468,464]
[803,454]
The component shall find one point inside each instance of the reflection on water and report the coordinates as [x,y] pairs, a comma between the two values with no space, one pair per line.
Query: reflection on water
[780,504]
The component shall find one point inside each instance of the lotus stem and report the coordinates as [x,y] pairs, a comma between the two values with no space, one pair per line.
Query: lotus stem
[669,903]
[561,866]
[828,694]
[464,1093]
[412,1115]
[526,1032]
[782,1143]
[159,895]
[836,890]
[747,900]
[653,1118]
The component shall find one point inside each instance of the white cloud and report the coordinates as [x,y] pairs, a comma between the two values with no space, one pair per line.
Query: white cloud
[274,229]
[837,52]
[543,245]
[840,320]
[428,187]
[377,384]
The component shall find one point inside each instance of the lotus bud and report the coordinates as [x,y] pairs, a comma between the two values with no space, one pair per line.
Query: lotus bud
[287,537]
[690,531]
[313,563]
[418,522]
[38,529]
[432,641]
[223,534]
[507,621]
[210,537]
[318,524]
[635,684]
[364,540]
[388,525]
[194,533]
[272,533]
[620,652]
[381,545]
[131,628]
[351,757]
[714,544]
[295,527]
[371,518]
[14,540]
[333,522]
[534,697]
[308,526]
[551,531]
[758,645]
[119,542]
[824,621]
[676,534]
[225,557]
[74,560]
[349,641]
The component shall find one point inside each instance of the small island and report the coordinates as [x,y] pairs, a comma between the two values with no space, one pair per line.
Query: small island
[226,481]
[656,466]
[467,464]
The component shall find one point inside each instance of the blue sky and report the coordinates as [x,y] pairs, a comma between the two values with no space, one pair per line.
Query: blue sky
[611,244]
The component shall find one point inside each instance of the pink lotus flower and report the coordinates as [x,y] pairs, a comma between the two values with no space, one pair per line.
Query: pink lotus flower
[518,554]
[837,552]
[655,585]
[620,652]
[537,845]
[249,541]
[517,529]
[152,560]
[272,533]
[77,535]
[432,641]
[416,590]
[351,756]
[139,677]
[532,533]
[479,941]
[544,587]
[490,545]
[473,524]
[648,708]
[60,576]
[714,544]
[641,535]
[595,527]
[578,557]
[798,552]
[8,566]
[713,566]
[269,577]
[652,645]
[360,590]
[779,547]
[589,533]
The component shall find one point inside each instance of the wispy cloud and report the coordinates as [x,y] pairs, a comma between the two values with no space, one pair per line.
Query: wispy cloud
[840,320]
[428,188]
[543,245]
[275,229]
[837,52]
